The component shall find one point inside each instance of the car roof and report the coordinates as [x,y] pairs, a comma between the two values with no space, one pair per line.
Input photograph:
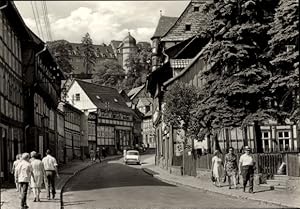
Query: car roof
[132,150]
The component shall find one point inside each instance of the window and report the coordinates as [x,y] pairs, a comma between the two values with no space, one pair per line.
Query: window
[77,97]
[266,135]
[196,9]
[147,108]
[266,138]
[187,27]
[284,140]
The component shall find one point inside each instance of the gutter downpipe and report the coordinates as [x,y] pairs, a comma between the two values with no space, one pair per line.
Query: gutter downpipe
[36,82]
[4,6]
[36,60]
[167,56]
[38,53]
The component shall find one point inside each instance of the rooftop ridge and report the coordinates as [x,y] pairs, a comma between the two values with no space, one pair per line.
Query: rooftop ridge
[95,84]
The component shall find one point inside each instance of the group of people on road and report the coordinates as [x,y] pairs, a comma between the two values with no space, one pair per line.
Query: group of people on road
[31,171]
[231,169]
[96,155]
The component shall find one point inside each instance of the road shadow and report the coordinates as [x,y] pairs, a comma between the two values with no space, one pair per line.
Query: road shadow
[112,175]
[80,202]
[262,190]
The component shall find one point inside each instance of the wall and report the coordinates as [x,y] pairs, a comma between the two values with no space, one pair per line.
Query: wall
[61,143]
[126,52]
[84,135]
[84,103]
[148,132]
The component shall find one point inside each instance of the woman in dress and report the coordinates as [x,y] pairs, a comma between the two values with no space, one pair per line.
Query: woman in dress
[217,167]
[231,167]
[39,175]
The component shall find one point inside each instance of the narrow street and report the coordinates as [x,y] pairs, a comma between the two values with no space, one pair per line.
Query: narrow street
[115,185]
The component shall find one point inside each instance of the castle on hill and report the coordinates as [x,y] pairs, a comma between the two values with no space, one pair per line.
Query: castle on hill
[117,50]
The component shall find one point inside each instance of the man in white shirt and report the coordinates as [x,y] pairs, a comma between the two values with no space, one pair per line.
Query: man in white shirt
[13,170]
[23,175]
[246,168]
[50,166]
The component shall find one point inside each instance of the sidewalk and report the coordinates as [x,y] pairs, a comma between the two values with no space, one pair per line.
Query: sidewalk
[203,182]
[10,198]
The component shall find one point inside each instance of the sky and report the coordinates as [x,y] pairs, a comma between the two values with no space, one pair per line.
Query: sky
[103,20]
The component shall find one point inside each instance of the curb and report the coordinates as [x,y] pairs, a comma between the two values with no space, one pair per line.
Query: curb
[75,174]
[157,176]
[149,171]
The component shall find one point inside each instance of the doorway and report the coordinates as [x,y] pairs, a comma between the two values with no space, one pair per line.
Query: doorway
[4,169]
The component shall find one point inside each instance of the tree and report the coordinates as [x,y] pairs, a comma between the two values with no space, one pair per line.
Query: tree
[179,100]
[236,90]
[61,49]
[110,73]
[285,62]
[89,54]
[139,66]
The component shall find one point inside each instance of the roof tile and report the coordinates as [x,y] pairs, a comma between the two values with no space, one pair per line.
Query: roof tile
[164,24]
[100,95]
[180,63]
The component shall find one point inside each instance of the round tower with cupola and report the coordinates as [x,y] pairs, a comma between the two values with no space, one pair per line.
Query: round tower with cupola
[128,47]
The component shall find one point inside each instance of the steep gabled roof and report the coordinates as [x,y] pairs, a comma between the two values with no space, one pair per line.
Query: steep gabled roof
[115,44]
[133,92]
[196,19]
[163,26]
[100,95]
[144,101]
[104,51]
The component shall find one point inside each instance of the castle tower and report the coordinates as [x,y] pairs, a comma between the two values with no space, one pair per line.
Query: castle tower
[128,48]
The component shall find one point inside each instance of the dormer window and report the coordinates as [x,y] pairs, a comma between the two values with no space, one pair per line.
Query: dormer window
[196,9]
[188,27]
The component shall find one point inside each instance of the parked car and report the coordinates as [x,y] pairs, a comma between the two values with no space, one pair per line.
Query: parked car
[132,156]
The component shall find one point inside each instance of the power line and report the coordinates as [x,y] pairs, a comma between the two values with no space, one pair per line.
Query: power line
[44,15]
[47,20]
[35,19]
[38,18]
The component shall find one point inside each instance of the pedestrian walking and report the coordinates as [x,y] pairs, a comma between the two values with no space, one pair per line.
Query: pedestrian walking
[50,166]
[231,167]
[246,168]
[217,168]
[92,154]
[33,153]
[103,152]
[98,158]
[13,170]
[39,176]
[24,172]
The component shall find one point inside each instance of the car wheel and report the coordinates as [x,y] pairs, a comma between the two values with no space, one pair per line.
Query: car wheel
[126,162]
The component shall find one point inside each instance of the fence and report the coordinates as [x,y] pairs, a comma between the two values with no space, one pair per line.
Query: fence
[266,163]
[293,164]
[204,161]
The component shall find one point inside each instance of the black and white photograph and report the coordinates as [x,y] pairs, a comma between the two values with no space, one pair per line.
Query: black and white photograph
[187,104]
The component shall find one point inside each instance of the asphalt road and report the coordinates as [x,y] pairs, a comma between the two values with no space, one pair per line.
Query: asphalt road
[115,185]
